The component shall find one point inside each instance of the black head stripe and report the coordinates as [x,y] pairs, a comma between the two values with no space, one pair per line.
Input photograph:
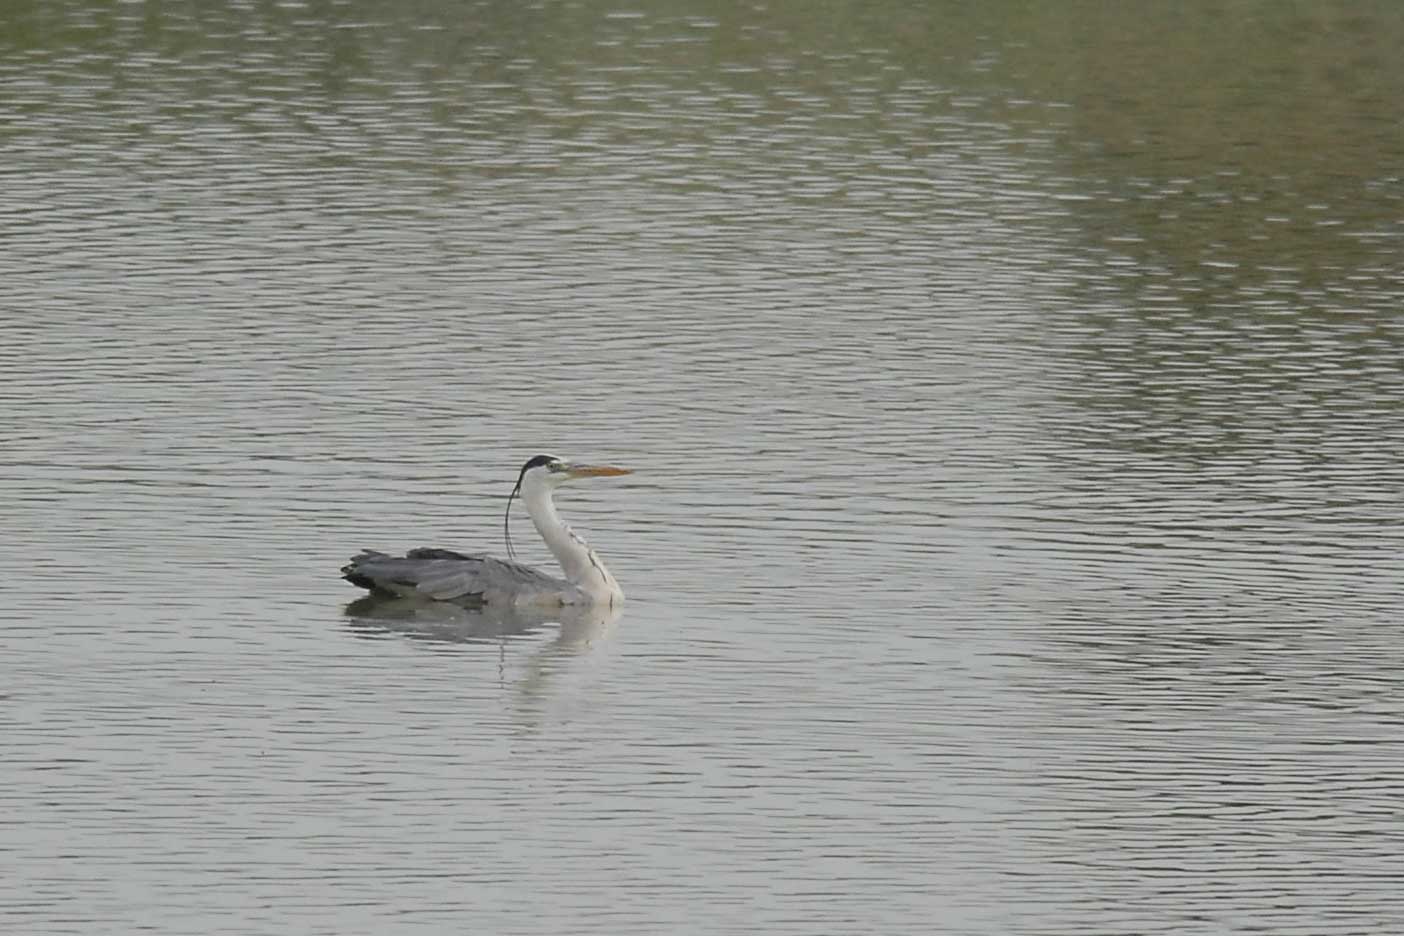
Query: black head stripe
[536,461]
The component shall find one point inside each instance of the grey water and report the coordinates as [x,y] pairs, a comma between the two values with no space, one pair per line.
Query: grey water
[1014,394]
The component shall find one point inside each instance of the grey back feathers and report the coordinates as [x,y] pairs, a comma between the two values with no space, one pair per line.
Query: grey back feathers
[444,575]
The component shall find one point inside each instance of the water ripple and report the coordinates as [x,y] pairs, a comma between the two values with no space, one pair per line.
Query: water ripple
[1013,533]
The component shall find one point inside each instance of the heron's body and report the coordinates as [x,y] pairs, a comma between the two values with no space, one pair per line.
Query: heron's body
[471,579]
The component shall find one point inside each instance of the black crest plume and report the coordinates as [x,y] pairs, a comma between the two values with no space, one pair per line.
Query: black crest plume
[533,462]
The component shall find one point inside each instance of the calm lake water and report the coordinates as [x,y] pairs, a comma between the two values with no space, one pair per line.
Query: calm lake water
[1016,399]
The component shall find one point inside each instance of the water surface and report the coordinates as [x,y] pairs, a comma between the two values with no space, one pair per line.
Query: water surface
[1014,400]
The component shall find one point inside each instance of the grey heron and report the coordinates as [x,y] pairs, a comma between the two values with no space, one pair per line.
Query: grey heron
[477,579]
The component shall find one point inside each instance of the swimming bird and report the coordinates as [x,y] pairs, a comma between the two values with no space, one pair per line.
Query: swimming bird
[477,579]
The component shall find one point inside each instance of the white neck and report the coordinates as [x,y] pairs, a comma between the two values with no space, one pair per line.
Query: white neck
[581,566]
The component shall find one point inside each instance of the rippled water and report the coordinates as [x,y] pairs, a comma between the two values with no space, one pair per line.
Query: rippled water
[1015,539]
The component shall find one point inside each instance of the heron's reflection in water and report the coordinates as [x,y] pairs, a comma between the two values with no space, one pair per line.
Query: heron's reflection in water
[445,622]
[442,625]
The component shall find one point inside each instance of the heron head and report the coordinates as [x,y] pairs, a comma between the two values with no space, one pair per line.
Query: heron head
[551,471]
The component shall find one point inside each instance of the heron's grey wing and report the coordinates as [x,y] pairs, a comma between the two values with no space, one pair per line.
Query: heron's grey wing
[445,575]
[440,574]
[451,575]
[500,574]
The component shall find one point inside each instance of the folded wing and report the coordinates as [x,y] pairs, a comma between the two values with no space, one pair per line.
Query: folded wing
[443,575]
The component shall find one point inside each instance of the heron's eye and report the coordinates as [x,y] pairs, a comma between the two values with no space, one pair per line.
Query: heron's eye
[557,466]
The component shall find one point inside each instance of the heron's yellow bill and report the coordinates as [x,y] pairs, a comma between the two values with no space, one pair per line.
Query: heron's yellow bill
[596,471]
